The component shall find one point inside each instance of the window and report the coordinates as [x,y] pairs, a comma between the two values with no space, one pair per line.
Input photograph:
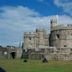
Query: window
[65,45]
[30,38]
[71,49]
[58,36]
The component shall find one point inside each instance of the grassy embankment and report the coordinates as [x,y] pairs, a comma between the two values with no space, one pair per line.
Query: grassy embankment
[36,66]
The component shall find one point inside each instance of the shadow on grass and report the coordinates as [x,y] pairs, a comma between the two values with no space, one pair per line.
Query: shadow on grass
[2,70]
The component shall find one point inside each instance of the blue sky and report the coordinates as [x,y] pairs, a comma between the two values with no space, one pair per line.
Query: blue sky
[45,7]
[19,16]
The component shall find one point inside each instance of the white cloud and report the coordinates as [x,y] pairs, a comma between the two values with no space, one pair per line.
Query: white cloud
[14,21]
[65,4]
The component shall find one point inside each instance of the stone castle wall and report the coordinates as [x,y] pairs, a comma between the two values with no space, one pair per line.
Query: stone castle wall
[34,39]
[60,38]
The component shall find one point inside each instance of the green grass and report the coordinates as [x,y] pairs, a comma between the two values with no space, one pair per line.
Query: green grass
[36,66]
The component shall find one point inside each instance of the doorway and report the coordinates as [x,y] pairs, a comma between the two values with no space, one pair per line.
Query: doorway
[13,55]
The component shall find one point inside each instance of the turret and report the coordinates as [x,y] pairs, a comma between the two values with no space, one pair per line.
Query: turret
[53,22]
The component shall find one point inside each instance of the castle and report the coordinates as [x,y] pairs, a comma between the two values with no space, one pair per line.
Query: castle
[56,45]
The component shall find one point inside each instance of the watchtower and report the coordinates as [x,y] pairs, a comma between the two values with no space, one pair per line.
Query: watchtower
[53,22]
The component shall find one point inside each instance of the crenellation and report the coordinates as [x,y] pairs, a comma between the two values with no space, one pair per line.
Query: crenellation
[57,44]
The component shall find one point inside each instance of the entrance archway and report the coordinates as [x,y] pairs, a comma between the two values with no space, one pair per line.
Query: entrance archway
[13,55]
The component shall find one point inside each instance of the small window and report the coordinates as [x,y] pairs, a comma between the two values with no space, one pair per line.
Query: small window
[58,36]
[65,45]
[71,49]
[30,38]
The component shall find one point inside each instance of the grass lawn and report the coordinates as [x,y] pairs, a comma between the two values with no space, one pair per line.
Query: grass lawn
[36,66]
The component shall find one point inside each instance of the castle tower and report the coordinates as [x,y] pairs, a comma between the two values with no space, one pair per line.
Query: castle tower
[53,22]
[26,40]
[40,33]
[29,40]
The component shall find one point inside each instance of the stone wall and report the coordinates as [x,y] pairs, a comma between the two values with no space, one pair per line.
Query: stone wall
[34,39]
[61,38]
